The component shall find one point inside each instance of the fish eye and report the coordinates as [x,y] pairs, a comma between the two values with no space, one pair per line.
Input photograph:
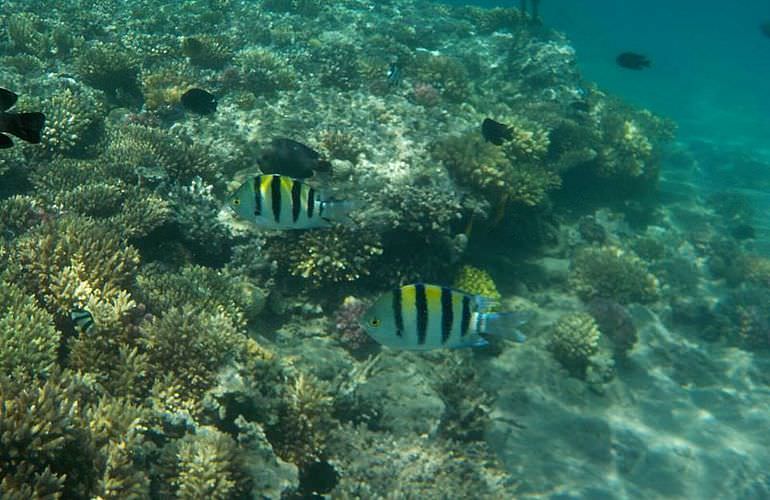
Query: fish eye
[236,201]
[374,322]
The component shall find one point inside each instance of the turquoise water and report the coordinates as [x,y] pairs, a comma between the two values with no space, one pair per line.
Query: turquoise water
[710,60]
[298,249]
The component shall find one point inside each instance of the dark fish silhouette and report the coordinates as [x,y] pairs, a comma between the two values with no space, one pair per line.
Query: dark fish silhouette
[291,158]
[495,132]
[632,60]
[199,101]
[765,28]
[26,126]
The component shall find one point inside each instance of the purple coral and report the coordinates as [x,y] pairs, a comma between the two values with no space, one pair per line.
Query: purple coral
[351,335]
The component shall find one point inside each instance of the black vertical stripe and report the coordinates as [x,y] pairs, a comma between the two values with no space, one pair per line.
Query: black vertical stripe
[275,189]
[258,195]
[296,204]
[466,320]
[310,202]
[421,306]
[446,314]
[398,313]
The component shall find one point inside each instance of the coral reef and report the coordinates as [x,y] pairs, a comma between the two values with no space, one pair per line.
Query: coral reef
[207,51]
[69,259]
[485,168]
[215,364]
[203,288]
[110,68]
[74,119]
[576,343]
[264,71]
[476,281]
[409,465]
[29,343]
[615,323]
[336,255]
[186,348]
[611,273]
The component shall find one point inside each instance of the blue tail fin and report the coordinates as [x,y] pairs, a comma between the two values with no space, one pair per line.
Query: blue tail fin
[505,324]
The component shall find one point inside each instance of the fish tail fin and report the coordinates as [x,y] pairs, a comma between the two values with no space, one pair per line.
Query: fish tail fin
[504,324]
[338,211]
[26,126]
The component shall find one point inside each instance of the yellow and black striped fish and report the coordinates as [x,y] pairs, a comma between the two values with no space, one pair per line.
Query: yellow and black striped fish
[274,201]
[421,317]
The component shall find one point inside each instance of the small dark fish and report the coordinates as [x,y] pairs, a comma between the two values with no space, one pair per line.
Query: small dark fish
[26,126]
[83,320]
[291,158]
[394,74]
[199,101]
[632,60]
[495,132]
[765,28]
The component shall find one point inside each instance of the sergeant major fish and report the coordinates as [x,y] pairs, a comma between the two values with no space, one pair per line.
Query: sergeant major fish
[421,317]
[275,201]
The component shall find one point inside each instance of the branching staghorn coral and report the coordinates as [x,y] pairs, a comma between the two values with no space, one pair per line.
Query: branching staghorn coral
[70,259]
[74,119]
[29,343]
[340,254]
[109,67]
[265,71]
[201,287]
[153,154]
[186,347]
[162,88]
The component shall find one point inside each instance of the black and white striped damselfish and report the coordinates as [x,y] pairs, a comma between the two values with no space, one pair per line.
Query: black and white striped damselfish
[274,201]
[82,319]
[422,317]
